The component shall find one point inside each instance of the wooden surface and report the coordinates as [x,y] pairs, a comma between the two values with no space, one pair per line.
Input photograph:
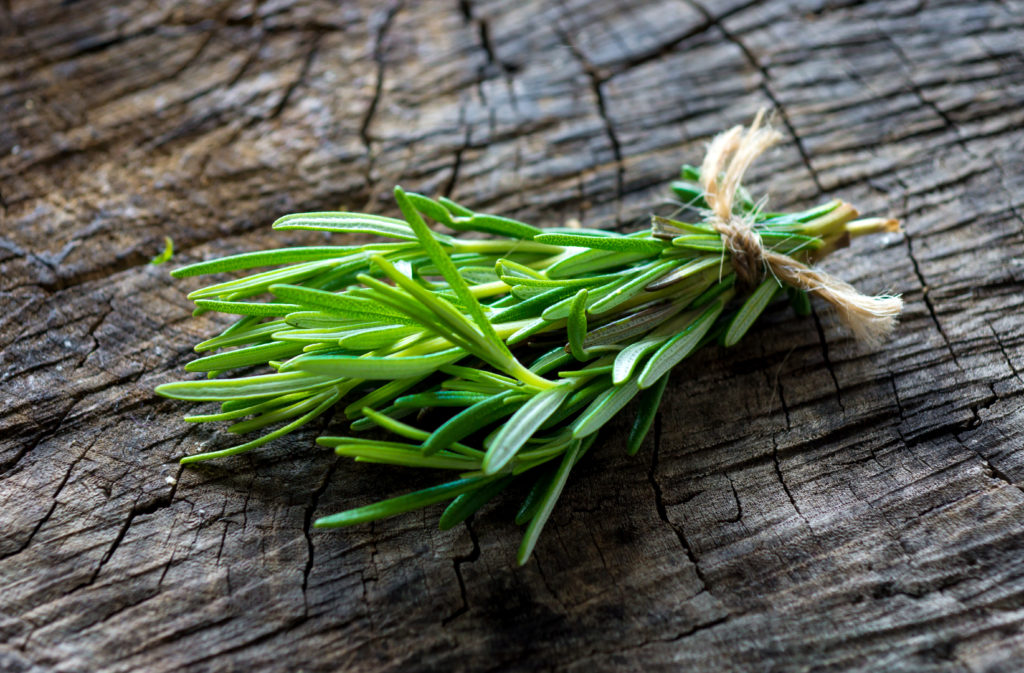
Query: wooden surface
[803,504]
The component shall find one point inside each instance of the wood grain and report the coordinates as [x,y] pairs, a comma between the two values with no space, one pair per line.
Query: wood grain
[802,505]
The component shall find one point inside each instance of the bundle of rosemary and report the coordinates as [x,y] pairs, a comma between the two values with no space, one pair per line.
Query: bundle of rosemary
[519,347]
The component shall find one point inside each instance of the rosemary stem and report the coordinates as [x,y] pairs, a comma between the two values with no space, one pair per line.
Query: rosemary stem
[529,378]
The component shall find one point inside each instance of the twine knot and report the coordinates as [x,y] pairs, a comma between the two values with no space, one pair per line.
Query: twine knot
[730,154]
[746,252]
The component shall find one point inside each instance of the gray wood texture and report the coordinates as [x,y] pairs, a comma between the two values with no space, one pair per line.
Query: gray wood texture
[803,504]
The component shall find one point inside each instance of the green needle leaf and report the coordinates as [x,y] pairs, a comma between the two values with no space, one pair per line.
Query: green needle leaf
[409,432]
[467,504]
[339,304]
[241,388]
[244,357]
[408,456]
[269,309]
[455,208]
[261,332]
[438,309]
[441,398]
[702,242]
[628,290]
[602,409]
[493,224]
[685,271]
[401,504]
[373,368]
[799,300]
[680,346]
[347,223]
[533,498]
[167,253]
[649,402]
[473,418]
[283,413]
[381,395]
[521,427]
[547,504]
[327,399]
[432,209]
[589,261]
[258,283]
[628,358]
[576,327]
[752,308]
[532,307]
[249,260]
[643,246]
[254,406]
[380,336]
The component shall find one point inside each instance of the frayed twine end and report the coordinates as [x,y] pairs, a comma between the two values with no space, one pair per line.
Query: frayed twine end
[871,319]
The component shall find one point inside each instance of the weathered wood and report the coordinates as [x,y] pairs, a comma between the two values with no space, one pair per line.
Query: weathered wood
[804,504]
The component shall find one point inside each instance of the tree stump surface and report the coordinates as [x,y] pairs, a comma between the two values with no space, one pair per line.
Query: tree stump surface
[803,503]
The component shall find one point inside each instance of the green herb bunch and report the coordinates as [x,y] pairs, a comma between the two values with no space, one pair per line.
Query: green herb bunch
[516,348]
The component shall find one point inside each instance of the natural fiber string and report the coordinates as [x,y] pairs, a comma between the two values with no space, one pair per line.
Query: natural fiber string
[871,319]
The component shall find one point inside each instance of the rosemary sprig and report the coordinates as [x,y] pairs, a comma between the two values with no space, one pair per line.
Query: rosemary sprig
[521,346]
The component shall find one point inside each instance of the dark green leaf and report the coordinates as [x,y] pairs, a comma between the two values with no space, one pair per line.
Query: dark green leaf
[467,504]
[344,305]
[630,289]
[576,327]
[401,504]
[649,402]
[604,408]
[472,419]
[493,224]
[685,271]
[532,307]
[799,300]
[702,242]
[522,426]
[430,208]
[752,308]
[547,504]
[440,398]
[258,283]
[675,349]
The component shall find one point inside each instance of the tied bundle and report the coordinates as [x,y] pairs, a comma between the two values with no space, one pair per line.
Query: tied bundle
[500,359]
[871,319]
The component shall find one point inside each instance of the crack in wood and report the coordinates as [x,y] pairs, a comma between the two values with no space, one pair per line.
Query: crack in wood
[308,524]
[457,563]
[659,505]
[371,108]
[826,360]
[765,87]
[596,80]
